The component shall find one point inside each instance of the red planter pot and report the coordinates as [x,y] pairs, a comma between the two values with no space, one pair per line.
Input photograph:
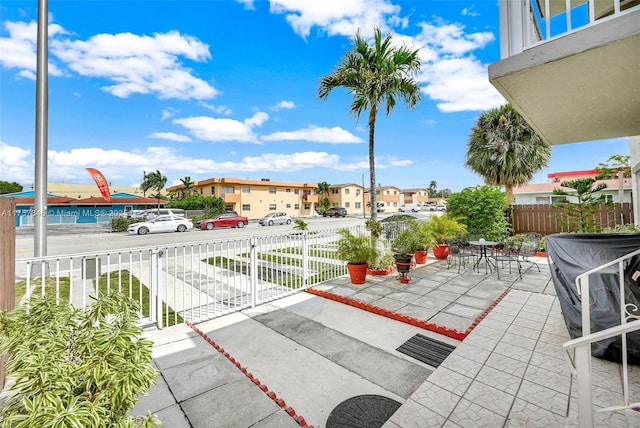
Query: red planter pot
[358,273]
[441,251]
[421,257]
[381,272]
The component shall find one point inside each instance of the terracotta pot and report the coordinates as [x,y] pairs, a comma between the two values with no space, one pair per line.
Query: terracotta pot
[421,257]
[358,273]
[381,271]
[441,251]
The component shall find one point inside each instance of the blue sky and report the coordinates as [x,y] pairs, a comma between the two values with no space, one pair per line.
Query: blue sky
[228,88]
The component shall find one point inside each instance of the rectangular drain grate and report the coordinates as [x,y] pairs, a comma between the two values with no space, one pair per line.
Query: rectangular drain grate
[427,350]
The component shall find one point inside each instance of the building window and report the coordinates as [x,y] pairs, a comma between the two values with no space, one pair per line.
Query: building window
[395,192]
[556,199]
[357,192]
[543,200]
[296,207]
[335,191]
[377,192]
[287,190]
[358,205]
[347,205]
[246,207]
[288,205]
[346,191]
[273,207]
[608,199]
[296,191]
[213,191]
[201,191]
[228,189]
[272,190]
[246,189]
[307,206]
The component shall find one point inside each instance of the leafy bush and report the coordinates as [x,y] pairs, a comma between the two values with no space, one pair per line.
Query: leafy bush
[355,249]
[211,204]
[622,228]
[383,261]
[76,368]
[300,224]
[121,224]
[483,209]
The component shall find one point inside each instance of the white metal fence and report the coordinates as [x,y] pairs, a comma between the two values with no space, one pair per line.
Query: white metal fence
[578,351]
[195,281]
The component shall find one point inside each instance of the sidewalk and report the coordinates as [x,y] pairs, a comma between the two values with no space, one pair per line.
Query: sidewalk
[295,361]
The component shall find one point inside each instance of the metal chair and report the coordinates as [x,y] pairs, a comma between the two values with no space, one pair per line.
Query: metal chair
[460,254]
[517,252]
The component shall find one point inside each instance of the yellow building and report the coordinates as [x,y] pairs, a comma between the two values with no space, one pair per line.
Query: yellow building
[390,196]
[257,198]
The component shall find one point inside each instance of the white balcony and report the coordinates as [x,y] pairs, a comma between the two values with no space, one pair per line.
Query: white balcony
[573,76]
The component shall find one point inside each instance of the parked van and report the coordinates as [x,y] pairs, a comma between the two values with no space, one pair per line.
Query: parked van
[414,208]
[153,213]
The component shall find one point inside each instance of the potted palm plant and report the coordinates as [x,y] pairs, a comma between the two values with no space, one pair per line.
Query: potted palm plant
[356,250]
[424,240]
[443,229]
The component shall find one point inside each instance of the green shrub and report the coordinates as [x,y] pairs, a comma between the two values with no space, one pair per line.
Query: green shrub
[76,368]
[121,224]
[483,209]
[300,224]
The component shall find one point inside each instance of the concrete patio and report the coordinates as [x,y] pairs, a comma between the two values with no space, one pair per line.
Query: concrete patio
[292,362]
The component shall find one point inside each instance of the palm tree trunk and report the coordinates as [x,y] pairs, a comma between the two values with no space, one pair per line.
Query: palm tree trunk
[372,166]
[509,193]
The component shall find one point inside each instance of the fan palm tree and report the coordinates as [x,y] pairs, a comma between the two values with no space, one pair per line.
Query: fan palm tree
[505,150]
[154,181]
[375,75]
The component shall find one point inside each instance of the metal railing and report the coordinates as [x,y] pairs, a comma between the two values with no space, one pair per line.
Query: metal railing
[529,23]
[581,347]
[194,281]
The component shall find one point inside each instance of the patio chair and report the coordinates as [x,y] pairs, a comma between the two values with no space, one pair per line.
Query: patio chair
[459,254]
[528,248]
[517,252]
[506,254]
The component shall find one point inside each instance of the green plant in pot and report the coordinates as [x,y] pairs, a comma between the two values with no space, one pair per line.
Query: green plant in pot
[424,239]
[444,229]
[356,250]
[382,264]
[404,247]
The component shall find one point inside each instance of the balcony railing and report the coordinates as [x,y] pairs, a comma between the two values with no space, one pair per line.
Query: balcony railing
[581,347]
[526,24]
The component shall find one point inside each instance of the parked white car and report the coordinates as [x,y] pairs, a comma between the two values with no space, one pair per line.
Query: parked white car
[275,218]
[163,223]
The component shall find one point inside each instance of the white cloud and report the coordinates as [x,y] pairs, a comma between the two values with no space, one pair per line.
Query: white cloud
[335,135]
[216,109]
[15,164]
[131,63]
[219,130]
[167,113]
[169,136]
[283,105]
[248,4]
[470,11]
[336,17]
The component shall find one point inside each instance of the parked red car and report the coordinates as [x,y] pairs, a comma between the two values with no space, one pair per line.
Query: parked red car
[223,220]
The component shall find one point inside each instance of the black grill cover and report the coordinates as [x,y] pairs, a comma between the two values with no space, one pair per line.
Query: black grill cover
[573,254]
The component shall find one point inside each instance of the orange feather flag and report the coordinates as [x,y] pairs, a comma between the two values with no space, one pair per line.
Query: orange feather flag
[101,182]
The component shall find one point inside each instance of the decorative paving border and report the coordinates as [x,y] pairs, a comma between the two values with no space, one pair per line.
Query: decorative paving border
[279,401]
[440,329]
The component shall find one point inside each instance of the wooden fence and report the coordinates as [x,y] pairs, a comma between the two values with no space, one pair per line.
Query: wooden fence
[546,220]
[7,263]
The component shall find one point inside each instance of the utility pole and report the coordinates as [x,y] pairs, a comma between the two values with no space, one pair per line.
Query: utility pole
[41,143]
[364,209]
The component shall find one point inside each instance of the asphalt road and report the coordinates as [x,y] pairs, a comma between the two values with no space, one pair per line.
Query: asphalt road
[76,239]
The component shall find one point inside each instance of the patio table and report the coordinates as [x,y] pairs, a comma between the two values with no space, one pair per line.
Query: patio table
[482,245]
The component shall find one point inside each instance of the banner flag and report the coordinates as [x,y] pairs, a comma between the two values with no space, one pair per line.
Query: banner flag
[101,182]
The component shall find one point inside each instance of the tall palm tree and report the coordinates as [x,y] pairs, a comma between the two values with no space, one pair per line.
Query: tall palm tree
[505,150]
[323,190]
[154,181]
[188,186]
[375,75]
[433,188]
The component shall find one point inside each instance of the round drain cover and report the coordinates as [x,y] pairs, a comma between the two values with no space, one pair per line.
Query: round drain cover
[362,411]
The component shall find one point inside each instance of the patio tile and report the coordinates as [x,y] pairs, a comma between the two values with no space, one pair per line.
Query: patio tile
[490,398]
[436,398]
[439,294]
[363,296]
[404,296]
[474,301]
[546,398]
[507,364]
[452,321]
[486,343]
[470,415]
[431,302]
[553,380]
[390,303]
[455,288]
[519,340]
[419,312]
[526,414]
[513,351]
[472,352]
[498,379]
[463,310]
[450,380]
[465,366]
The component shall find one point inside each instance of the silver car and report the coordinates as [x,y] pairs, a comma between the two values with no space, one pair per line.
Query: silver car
[162,223]
[275,218]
